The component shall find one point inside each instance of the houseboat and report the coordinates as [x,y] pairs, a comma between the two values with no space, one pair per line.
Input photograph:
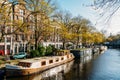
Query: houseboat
[52,74]
[31,66]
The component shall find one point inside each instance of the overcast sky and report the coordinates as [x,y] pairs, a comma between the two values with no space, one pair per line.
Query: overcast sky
[78,7]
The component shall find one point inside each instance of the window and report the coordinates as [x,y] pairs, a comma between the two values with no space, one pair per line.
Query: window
[21,12]
[57,59]
[43,63]
[50,61]
[62,58]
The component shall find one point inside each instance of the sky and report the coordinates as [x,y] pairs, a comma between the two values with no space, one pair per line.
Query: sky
[79,7]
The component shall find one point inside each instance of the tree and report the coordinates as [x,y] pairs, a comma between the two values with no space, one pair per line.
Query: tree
[4,19]
[64,21]
[8,24]
[78,25]
[98,37]
[108,7]
[113,37]
[40,10]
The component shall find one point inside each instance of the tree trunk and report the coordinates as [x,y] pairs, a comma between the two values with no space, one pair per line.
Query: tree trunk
[64,46]
[36,36]
[77,42]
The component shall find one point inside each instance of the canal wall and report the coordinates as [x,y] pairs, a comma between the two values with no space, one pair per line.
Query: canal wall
[82,53]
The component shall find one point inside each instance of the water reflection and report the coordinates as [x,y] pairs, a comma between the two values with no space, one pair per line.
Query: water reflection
[81,69]
[106,66]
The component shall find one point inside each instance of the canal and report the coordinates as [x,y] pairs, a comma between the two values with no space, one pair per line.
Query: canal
[105,66]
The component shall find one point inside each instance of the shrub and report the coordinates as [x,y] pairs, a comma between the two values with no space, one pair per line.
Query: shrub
[53,48]
[41,50]
[49,50]
[34,53]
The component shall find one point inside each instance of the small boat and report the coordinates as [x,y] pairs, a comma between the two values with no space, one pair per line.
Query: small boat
[31,66]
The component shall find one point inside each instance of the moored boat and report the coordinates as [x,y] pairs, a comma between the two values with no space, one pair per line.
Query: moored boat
[31,66]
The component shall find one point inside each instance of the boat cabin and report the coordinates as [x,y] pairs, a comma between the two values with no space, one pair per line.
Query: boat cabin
[44,61]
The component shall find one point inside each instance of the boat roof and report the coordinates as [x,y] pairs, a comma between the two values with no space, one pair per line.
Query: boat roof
[38,59]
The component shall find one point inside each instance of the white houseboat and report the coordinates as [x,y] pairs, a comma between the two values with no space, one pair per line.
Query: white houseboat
[31,66]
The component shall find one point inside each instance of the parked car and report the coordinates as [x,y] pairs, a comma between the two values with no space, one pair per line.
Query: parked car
[20,55]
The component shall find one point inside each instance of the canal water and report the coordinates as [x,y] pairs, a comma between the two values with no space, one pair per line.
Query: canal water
[105,66]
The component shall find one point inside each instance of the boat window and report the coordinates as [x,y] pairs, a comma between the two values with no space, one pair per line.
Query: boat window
[28,65]
[24,64]
[19,64]
[57,59]
[43,63]
[62,58]
[50,61]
